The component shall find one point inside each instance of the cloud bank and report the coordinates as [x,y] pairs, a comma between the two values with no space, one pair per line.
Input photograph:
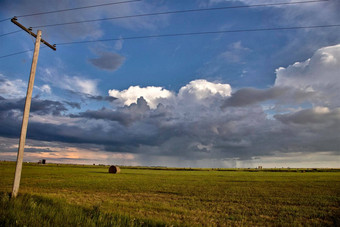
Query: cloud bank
[203,120]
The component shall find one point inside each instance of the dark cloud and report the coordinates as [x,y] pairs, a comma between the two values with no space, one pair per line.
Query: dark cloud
[43,107]
[318,115]
[105,114]
[86,97]
[38,106]
[101,98]
[281,95]
[248,96]
[188,129]
[75,105]
[207,132]
[124,115]
[108,61]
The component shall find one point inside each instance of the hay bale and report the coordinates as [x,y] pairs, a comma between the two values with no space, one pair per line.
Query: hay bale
[114,169]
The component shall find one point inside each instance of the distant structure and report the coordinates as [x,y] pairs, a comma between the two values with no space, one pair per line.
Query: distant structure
[259,167]
[114,169]
[42,161]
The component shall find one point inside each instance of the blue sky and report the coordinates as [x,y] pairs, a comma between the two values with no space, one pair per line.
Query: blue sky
[218,100]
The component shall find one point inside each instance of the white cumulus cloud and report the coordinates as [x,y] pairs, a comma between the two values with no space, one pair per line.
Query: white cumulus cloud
[195,91]
[201,89]
[151,94]
[319,74]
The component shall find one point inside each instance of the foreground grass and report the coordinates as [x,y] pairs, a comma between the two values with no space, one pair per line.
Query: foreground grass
[173,197]
[28,210]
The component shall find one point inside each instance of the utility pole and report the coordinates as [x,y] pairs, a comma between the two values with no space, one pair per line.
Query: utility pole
[22,139]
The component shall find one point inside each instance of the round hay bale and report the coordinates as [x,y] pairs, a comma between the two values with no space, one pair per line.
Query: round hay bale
[114,169]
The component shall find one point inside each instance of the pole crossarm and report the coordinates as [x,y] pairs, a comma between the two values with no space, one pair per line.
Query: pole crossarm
[28,30]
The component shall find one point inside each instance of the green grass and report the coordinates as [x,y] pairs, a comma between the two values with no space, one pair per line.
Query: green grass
[33,210]
[144,196]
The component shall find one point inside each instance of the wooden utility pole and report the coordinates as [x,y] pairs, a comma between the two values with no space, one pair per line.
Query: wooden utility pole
[24,125]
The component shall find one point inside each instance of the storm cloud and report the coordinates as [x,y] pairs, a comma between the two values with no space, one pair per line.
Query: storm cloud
[38,106]
[203,119]
[248,96]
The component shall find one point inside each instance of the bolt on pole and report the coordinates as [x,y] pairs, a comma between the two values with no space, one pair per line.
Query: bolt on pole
[24,125]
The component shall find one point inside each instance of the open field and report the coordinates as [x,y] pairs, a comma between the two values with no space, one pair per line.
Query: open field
[70,195]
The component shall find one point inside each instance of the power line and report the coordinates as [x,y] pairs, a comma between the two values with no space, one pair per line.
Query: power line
[187,34]
[183,11]
[178,11]
[21,52]
[201,33]
[71,9]
[77,8]
[63,10]
[155,14]
[9,33]
[5,19]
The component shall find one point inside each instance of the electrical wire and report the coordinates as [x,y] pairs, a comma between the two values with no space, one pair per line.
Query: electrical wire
[9,33]
[187,34]
[177,11]
[63,10]
[78,8]
[193,10]
[21,52]
[5,19]
[201,33]
[153,14]
[71,9]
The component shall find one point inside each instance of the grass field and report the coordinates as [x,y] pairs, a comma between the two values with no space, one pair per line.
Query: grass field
[71,195]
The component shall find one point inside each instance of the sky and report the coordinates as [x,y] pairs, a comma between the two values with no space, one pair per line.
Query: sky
[233,100]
